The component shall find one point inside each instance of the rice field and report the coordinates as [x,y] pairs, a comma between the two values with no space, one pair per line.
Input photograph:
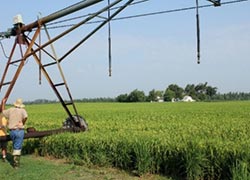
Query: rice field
[180,140]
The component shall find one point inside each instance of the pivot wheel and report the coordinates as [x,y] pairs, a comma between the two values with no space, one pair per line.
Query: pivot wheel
[77,122]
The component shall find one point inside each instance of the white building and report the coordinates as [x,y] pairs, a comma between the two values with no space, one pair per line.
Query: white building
[187,99]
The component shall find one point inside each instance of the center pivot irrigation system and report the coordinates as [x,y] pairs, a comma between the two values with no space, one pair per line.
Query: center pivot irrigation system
[28,44]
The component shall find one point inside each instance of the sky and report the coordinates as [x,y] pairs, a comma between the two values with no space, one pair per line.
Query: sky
[148,52]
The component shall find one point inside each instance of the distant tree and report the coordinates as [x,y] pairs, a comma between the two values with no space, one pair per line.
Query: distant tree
[169,95]
[201,88]
[211,91]
[173,91]
[190,90]
[154,95]
[201,91]
[136,96]
[201,96]
[122,98]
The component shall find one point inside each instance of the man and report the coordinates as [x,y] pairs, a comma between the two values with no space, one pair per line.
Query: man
[17,117]
[3,132]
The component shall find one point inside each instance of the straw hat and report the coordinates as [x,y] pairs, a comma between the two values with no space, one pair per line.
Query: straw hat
[19,103]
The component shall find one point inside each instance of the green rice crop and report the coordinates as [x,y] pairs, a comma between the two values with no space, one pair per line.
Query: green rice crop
[185,140]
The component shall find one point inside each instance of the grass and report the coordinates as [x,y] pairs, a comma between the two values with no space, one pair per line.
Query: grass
[37,168]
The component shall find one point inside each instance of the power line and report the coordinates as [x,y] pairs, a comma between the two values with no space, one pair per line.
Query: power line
[146,14]
[177,10]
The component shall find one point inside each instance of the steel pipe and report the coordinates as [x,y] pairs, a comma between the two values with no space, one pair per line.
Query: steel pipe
[59,14]
[40,134]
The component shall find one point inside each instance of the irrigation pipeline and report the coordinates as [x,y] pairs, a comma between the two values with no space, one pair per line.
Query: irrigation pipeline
[39,134]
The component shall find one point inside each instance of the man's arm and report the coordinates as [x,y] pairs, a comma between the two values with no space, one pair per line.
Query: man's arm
[24,120]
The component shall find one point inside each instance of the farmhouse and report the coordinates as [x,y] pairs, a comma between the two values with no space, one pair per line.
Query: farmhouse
[187,99]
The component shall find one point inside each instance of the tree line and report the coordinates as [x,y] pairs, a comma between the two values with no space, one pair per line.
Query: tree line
[199,92]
